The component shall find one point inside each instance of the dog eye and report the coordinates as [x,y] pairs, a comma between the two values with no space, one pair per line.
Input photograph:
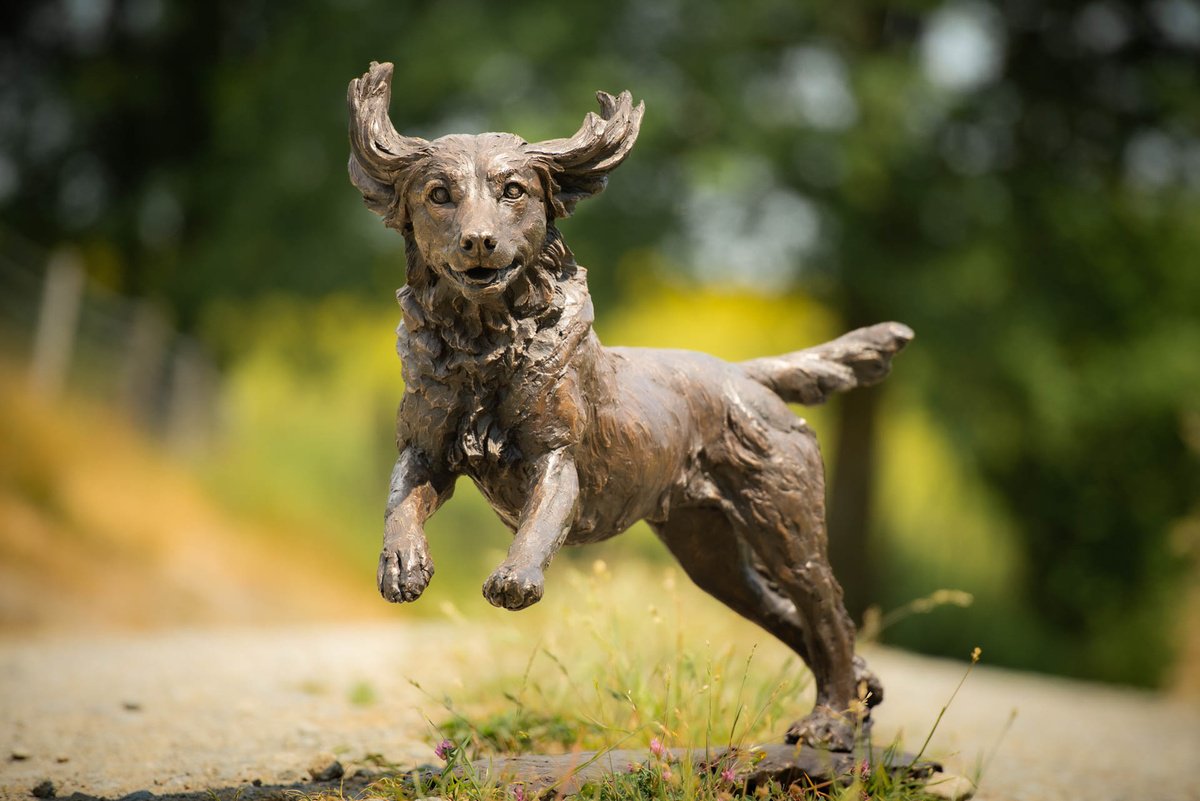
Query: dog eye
[439,194]
[513,190]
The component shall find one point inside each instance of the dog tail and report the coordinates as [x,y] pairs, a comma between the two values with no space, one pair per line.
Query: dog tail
[858,359]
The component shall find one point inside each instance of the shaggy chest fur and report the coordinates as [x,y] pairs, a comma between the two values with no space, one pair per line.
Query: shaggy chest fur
[478,377]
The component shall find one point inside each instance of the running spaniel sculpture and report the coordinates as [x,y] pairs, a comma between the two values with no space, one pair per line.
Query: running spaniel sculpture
[570,441]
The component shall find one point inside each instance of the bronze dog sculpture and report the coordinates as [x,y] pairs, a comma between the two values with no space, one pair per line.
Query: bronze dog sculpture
[572,442]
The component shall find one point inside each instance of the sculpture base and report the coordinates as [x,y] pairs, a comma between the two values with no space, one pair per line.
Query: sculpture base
[783,765]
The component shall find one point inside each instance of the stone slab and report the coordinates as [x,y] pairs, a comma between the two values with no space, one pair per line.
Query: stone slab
[784,764]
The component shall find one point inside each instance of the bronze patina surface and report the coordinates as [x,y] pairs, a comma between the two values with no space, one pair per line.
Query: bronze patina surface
[572,442]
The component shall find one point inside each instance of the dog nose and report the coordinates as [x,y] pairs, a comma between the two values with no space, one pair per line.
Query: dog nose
[477,243]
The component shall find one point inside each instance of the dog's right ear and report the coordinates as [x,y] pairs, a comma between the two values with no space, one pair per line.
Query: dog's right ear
[579,166]
[379,156]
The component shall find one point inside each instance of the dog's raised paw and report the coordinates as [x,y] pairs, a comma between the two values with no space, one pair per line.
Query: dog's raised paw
[403,574]
[513,587]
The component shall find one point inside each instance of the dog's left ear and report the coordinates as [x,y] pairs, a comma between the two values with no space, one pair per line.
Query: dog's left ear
[579,166]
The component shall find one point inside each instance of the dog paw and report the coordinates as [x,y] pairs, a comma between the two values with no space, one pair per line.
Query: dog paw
[823,728]
[514,588]
[404,573]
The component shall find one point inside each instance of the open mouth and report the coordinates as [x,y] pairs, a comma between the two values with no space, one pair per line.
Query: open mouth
[484,276]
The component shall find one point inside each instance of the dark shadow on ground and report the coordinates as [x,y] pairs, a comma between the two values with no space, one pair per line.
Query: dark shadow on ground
[352,787]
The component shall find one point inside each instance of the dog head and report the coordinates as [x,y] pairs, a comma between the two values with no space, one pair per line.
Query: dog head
[477,208]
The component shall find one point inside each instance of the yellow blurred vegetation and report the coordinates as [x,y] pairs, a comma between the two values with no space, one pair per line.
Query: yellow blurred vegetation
[101,528]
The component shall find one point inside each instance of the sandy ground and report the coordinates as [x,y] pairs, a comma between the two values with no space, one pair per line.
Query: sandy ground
[186,712]
[1070,740]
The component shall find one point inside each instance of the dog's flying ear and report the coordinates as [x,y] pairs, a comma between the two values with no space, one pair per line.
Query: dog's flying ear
[579,166]
[379,156]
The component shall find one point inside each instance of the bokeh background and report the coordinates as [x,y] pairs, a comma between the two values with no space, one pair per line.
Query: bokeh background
[197,376]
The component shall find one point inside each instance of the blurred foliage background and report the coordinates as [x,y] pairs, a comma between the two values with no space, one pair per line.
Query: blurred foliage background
[1018,181]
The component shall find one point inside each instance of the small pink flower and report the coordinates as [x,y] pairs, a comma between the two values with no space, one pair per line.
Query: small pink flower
[519,793]
[728,776]
[667,775]
[656,747]
[632,768]
[864,769]
[444,749]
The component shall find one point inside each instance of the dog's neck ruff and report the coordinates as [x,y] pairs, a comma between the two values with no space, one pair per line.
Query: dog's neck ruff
[480,353]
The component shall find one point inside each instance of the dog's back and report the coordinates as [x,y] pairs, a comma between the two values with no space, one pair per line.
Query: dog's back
[663,423]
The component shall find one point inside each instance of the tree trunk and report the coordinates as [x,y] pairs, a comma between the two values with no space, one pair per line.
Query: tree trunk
[850,500]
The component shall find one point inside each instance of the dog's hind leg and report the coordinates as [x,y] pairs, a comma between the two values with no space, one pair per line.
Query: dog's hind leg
[708,548]
[867,685]
[774,497]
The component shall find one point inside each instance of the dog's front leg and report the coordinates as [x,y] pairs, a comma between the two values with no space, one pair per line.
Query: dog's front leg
[416,492]
[546,519]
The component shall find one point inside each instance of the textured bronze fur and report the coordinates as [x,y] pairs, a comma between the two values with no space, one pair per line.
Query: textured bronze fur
[572,442]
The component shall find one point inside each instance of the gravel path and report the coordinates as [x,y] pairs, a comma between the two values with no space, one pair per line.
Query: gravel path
[180,713]
[1070,741]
